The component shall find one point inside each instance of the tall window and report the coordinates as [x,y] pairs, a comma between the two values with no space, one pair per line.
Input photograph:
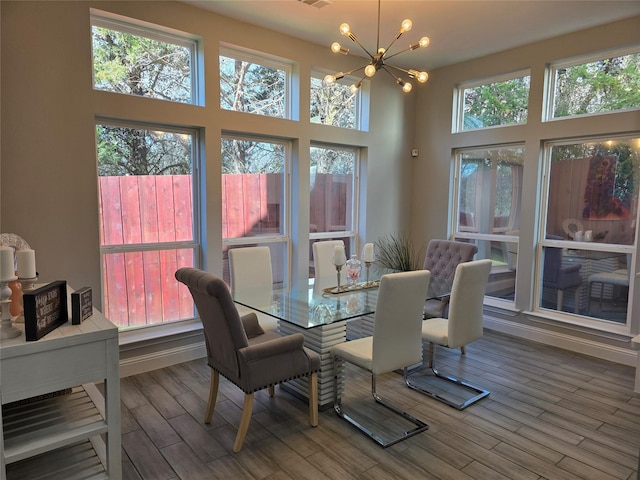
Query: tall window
[502,101]
[254,193]
[140,61]
[489,186]
[334,105]
[333,191]
[589,242]
[254,83]
[596,84]
[147,221]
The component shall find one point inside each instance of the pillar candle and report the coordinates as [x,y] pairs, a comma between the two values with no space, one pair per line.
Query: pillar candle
[367,253]
[7,265]
[339,257]
[26,259]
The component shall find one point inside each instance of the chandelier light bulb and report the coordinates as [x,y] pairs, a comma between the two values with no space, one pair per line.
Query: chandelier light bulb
[406,26]
[355,87]
[329,79]
[335,47]
[422,77]
[406,88]
[424,42]
[369,70]
[344,29]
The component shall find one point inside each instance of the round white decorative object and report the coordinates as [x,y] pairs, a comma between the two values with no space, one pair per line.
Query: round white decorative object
[571,226]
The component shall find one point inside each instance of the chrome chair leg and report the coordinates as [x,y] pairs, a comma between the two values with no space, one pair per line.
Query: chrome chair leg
[479,392]
[420,426]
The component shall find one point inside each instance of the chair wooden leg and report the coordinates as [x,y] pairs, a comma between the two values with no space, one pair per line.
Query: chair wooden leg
[463,349]
[272,390]
[213,394]
[313,399]
[247,409]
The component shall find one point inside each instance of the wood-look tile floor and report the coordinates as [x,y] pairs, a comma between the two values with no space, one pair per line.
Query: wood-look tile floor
[551,414]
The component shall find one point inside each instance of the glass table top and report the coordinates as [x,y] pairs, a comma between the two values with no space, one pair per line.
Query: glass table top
[310,307]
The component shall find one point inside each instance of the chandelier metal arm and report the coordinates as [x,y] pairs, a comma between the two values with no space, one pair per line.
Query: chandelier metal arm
[353,38]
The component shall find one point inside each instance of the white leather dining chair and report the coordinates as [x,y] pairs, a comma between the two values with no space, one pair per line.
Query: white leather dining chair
[463,326]
[251,275]
[325,271]
[395,344]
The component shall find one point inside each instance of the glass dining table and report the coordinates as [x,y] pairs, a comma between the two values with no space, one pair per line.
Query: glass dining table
[321,314]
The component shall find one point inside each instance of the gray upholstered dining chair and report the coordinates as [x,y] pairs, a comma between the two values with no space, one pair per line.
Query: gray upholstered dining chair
[241,351]
[617,278]
[325,274]
[251,276]
[395,344]
[462,326]
[441,259]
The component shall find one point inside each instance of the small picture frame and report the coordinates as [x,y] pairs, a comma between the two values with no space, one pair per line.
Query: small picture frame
[81,305]
[45,309]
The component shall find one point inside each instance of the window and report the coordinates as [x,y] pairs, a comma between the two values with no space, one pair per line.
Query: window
[595,85]
[333,192]
[254,198]
[590,221]
[148,218]
[489,191]
[143,61]
[334,105]
[502,101]
[254,84]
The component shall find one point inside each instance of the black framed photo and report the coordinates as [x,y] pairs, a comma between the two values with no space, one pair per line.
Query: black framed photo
[81,305]
[45,309]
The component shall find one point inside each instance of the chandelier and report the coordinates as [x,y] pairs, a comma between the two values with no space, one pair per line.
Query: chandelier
[380,58]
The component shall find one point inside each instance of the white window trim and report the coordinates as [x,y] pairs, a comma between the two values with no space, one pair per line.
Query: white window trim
[159,33]
[266,60]
[458,98]
[550,80]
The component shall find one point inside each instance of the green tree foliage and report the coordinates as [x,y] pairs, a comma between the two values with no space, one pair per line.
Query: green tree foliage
[135,65]
[130,151]
[601,86]
[499,103]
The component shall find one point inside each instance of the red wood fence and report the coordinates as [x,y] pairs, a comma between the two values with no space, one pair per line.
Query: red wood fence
[139,288]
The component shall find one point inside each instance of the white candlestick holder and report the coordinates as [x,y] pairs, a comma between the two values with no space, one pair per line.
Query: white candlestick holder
[28,285]
[6,329]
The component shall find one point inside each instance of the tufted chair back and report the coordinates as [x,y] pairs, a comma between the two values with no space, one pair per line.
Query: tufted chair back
[443,256]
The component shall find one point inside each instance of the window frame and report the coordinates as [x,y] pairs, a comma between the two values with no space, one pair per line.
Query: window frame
[271,61]
[459,234]
[458,99]
[548,102]
[347,80]
[196,197]
[111,21]
[283,238]
[581,320]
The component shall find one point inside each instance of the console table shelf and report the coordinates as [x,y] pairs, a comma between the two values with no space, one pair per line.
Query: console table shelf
[74,432]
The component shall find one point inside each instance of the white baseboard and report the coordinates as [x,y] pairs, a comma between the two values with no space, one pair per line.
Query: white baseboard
[161,359]
[561,340]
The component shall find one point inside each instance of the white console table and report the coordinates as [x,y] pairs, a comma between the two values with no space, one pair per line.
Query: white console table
[74,434]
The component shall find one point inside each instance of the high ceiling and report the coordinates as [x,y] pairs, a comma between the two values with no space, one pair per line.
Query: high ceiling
[459,30]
